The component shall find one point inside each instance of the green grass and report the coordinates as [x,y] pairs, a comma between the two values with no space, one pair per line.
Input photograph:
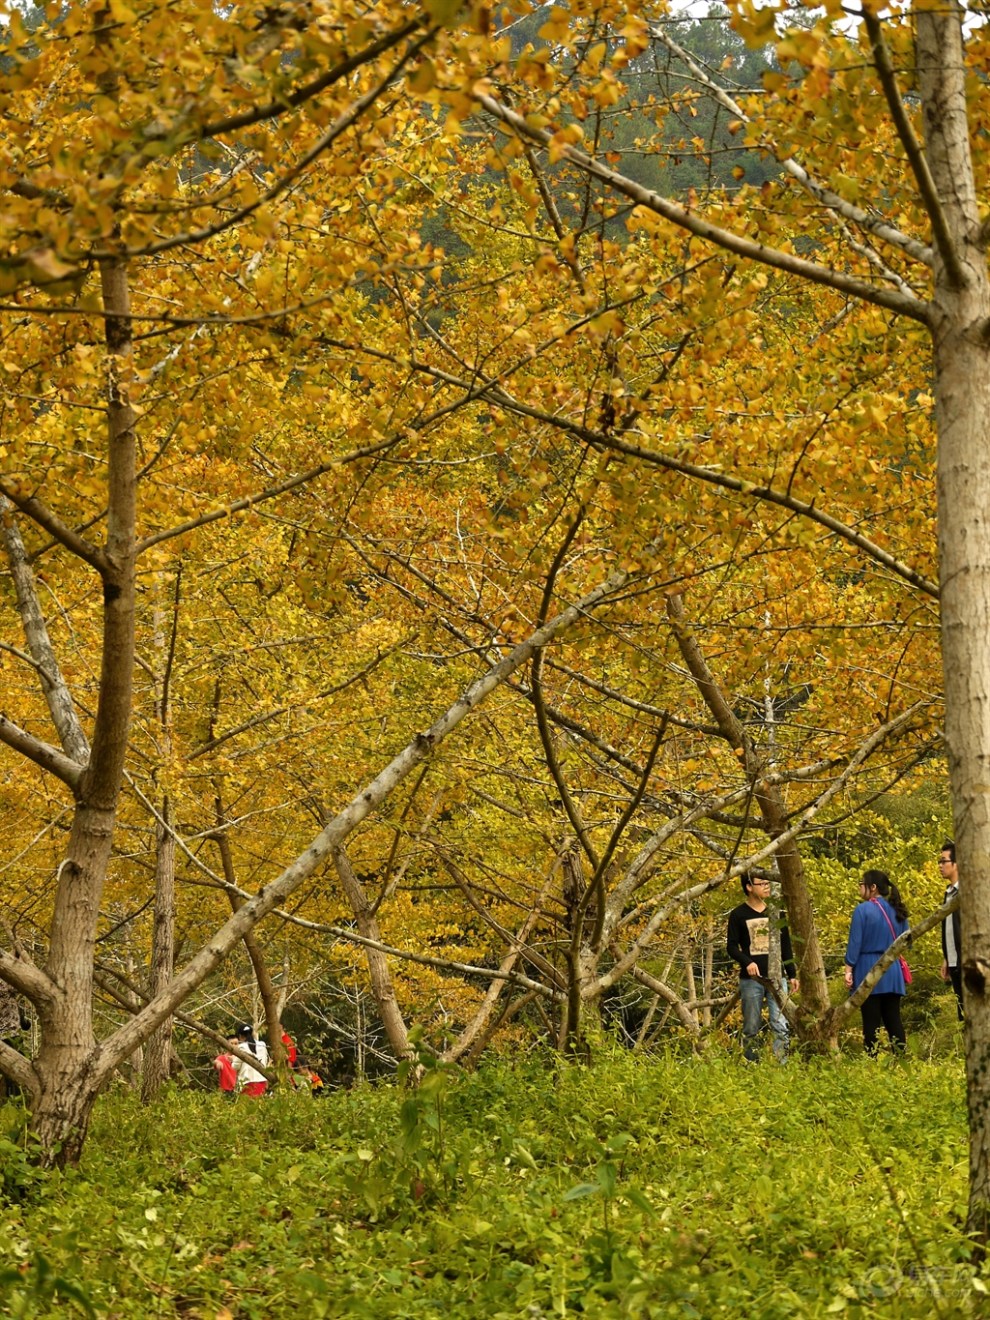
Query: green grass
[645,1188]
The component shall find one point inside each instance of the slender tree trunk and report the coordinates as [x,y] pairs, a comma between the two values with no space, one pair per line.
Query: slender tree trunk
[359,1065]
[268,993]
[476,1034]
[707,978]
[691,984]
[960,328]
[158,1051]
[65,1062]
[259,964]
[572,1039]
[800,915]
[493,1024]
[382,989]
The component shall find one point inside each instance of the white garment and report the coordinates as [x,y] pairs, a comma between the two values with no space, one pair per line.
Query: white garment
[951,952]
[245,1072]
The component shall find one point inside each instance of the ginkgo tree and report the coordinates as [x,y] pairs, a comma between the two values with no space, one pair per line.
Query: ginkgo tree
[621,733]
[904,236]
[691,399]
[560,303]
[161,132]
[249,278]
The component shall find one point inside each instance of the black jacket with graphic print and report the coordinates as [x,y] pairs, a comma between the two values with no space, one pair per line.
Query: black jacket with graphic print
[748,940]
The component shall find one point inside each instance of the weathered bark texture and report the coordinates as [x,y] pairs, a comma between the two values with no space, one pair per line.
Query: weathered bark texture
[10,1018]
[960,324]
[581,957]
[67,1065]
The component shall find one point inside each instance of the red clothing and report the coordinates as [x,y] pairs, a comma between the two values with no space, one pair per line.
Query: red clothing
[290,1048]
[224,1064]
[254,1088]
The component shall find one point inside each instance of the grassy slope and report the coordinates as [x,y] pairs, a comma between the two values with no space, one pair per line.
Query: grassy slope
[671,1187]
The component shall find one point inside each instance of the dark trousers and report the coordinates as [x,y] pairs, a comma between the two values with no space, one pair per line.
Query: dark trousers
[955,976]
[882,1010]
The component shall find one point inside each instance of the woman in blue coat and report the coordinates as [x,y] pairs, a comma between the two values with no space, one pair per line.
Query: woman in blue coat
[876,922]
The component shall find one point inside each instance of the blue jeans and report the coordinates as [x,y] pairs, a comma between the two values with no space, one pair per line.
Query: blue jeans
[753,995]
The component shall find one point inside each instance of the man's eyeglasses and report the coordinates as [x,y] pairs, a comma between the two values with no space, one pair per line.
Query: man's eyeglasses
[945,861]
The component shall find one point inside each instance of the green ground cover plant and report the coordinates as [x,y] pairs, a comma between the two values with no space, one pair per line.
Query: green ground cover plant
[673,1186]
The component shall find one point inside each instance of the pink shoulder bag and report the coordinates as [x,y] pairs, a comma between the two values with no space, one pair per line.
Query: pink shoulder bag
[893,934]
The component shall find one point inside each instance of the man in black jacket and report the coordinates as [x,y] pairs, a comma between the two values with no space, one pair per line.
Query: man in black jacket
[748,944]
[951,939]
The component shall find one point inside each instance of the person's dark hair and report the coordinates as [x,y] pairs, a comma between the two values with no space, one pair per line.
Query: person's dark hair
[886,888]
[950,847]
[749,878]
[245,1032]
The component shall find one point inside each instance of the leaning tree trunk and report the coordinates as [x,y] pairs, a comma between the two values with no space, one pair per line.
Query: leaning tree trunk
[262,976]
[773,812]
[960,318]
[382,989]
[64,1081]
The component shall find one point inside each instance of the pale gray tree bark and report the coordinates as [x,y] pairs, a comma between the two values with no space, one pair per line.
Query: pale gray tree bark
[960,325]
[382,989]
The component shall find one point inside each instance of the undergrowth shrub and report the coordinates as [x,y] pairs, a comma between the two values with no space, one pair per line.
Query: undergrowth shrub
[632,1188]
[20,1177]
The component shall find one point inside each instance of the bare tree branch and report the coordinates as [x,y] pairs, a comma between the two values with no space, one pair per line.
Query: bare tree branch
[41,753]
[56,529]
[693,223]
[236,216]
[19,971]
[121,1044]
[912,147]
[846,210]
[670,997]
[53,684]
